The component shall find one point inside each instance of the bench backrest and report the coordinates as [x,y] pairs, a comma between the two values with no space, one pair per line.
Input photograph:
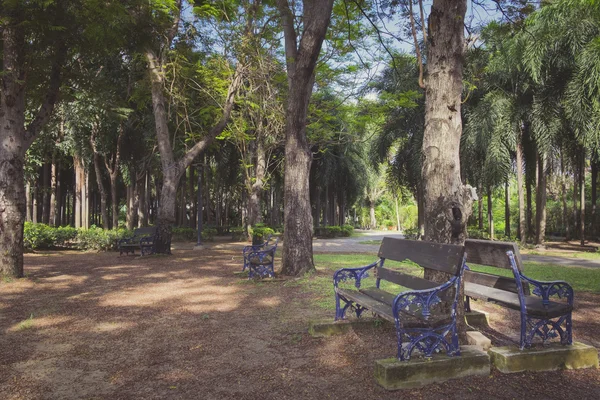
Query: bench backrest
[147,231]
[446,258]
[493,254]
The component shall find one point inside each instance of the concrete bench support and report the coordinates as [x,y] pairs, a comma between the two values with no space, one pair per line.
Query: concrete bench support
[576,356]
[393,374]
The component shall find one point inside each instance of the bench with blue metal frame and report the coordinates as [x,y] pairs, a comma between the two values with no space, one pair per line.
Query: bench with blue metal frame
[545,307]
[253,248]
[261,262]
[424,315]
[143,239]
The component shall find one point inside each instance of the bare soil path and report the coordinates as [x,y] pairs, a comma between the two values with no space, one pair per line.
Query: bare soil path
[100,326]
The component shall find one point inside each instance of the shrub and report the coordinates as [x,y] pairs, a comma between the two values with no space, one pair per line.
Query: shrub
[97,238]
[208,234]
[346,230]
[260,233]
[64,235]
[184,234]
[237,233]
[329,231]
[38,236]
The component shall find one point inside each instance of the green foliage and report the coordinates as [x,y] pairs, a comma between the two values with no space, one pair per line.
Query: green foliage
[260,232]
[184,234]
[42,236]
[346,230]
[97,238]
[38,236]
[330,231]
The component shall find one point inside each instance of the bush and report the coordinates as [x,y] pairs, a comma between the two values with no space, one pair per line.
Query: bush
[260,233]
[38,236]
[208,234]
[97,238]
[184,234]
[64,235]
[237,233]
[346,230]
[329,231]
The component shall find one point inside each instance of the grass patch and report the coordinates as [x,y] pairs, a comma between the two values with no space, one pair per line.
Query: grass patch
[370,242]
[320,285]
[582,279]
[27,324]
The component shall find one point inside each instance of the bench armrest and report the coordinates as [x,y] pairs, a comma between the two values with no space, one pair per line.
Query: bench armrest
[424,300]
[343,274]
[124,241]
[547,289]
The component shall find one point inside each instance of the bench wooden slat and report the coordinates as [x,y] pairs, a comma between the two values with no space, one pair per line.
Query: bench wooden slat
[511,300]
[440,257]
[406,280]
[493,281]
[385,310]
[492,254]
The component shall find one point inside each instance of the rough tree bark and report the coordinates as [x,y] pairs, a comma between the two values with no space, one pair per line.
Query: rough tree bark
[540,202]
[256,187]
[301,60]
[15,137]
[520,194]
[447,202]
[594,165]
[490,213]
[99,180]
[582,198]
[506,209]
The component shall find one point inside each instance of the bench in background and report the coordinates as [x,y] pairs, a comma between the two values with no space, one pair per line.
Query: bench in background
[143,239]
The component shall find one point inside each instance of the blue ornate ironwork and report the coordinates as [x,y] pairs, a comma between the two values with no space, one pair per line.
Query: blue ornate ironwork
[415,303]
[544,328]
[260,262]
[147,245]
[253,248]
[431,339]
[344,275]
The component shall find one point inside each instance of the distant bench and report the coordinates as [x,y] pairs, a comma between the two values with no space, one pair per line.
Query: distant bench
[540,316]
[425,315]
[143,239]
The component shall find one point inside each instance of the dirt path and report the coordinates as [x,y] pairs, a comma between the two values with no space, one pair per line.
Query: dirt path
[99,326]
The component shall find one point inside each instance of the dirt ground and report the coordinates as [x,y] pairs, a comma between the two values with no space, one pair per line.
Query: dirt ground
[100,326]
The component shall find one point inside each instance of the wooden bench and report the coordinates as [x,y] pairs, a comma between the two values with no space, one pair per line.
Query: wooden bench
[424,315]
[260,262]
[253,248]
[540,316]
[143,239]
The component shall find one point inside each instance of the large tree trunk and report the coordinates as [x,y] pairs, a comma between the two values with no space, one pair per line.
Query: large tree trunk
[78,190]
[46,193]
[520,194]
[563,189]
[102,190]
[372,219]
[490,213]
[256,187]
[540,201]
[29,201]
[594,162]
[142,189]
[506,209]
[420,212]
[54,191]
[582,198]
[448,203]
[301,59]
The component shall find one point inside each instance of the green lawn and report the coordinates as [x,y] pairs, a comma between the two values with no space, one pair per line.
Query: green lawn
[370,242]
[320,286]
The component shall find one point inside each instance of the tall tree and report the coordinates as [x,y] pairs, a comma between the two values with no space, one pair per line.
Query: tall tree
[157,55]
[447,201]
[302,52]
[15,134]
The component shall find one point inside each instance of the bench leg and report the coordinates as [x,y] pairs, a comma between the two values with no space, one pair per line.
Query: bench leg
[340,312]
[547,329]
[427,341]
